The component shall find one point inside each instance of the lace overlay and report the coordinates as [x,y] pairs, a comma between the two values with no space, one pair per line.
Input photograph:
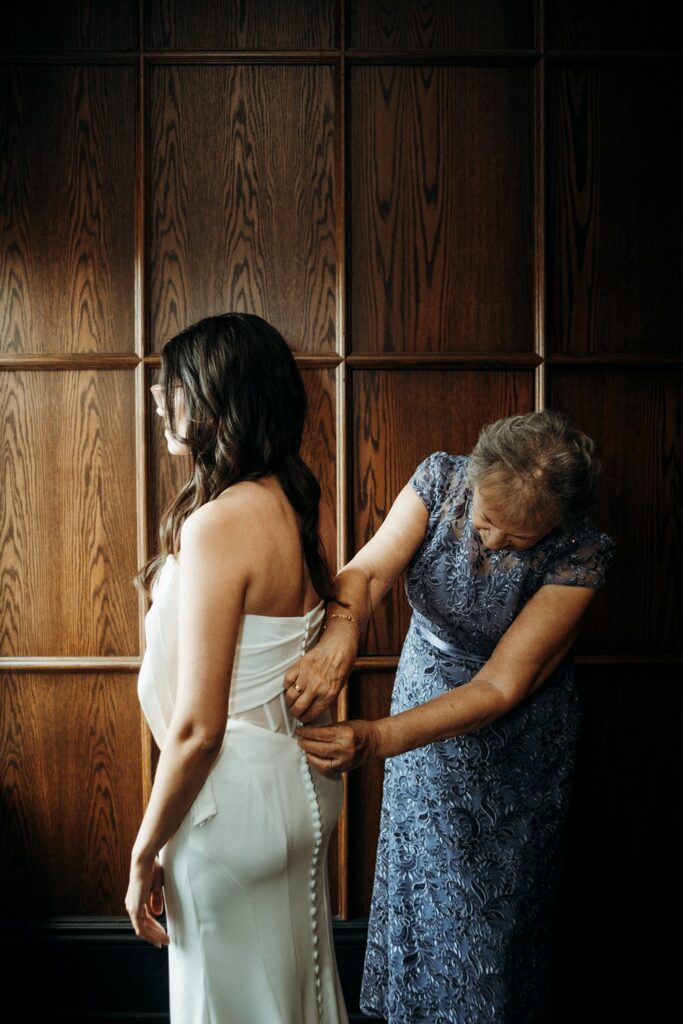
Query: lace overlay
[472,828]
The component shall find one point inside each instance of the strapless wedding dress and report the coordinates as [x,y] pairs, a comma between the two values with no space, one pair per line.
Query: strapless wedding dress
[245,874]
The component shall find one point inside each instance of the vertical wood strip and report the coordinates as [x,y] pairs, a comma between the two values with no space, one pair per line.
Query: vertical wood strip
[141,440]
[539,212]
[343,418]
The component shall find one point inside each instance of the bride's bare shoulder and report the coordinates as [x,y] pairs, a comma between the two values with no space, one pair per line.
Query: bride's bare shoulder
[229,522]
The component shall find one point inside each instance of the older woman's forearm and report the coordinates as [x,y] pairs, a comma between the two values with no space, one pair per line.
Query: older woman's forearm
[335,653]
[468,707]
[465,709]
[351,594]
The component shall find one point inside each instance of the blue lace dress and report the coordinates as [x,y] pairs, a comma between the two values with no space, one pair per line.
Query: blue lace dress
[472,829]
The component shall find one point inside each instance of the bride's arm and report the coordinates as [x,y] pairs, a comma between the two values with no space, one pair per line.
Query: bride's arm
[359,587]
[212,585]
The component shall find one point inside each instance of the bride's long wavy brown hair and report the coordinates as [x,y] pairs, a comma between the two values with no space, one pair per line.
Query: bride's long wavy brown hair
[246,406]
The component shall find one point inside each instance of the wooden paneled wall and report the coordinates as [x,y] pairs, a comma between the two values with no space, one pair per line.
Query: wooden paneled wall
[454,211]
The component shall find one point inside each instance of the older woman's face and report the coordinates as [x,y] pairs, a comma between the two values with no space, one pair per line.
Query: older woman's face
[497,529]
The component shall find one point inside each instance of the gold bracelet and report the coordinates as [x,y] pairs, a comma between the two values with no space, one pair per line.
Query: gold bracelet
[349,618]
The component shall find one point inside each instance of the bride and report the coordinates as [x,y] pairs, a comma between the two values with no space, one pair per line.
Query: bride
[234,838]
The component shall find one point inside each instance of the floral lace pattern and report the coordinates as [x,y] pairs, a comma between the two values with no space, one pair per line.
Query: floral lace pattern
[472,829]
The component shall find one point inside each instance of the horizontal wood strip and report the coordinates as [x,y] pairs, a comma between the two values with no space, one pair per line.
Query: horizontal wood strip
[367,663]
[387,663]
[38,664]
[313,360]
[616,362]
[70,361]
[365,361]
[71,57]
[493,58]
[490,58]
[242,56]
[442,360]
[126,360]
[590,58]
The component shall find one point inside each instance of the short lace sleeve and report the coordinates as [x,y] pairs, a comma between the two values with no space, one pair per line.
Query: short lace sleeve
[584,561]
[432,479]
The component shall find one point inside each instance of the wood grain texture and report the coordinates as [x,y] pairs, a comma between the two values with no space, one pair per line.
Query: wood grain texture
[441,210]
[614,264]
[67,503]
[319,450]
[369,697]
[71,797]
[67,177]
[242,198]
[70,25]
[399,418]
[611,25]
[635,421]
[235,25]
[441,24]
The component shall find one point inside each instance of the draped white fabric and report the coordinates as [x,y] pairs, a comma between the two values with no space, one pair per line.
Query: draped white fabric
[247,896]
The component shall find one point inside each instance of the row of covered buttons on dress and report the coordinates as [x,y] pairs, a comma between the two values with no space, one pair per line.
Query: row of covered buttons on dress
[315,859]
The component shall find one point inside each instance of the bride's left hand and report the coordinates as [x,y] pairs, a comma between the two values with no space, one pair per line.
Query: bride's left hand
[144,899]
[332,749]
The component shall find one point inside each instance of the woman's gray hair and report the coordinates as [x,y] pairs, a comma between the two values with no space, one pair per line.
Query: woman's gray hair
[545,466]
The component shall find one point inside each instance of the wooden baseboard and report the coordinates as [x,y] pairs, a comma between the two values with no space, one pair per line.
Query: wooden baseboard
[95,971]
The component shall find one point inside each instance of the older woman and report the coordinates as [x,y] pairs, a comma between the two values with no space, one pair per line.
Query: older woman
[501,563]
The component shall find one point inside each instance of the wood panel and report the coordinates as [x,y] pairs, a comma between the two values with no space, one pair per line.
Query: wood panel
[235,25]
[635,421]
[67,177]
[369,696]
[242,198]
[399,418]
[441,24]
[614,265]
[441,212]
[70,758]
[67,506]
[241,192]
[319,450]
[70,25]
[611,25]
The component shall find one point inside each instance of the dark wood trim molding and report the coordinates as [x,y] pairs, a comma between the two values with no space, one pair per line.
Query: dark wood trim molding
[94,969]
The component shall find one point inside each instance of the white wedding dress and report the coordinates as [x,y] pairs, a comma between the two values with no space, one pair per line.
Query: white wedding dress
[245,874]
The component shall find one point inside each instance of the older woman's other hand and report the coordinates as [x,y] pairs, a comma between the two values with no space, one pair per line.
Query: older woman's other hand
[315,682]
[332,749]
